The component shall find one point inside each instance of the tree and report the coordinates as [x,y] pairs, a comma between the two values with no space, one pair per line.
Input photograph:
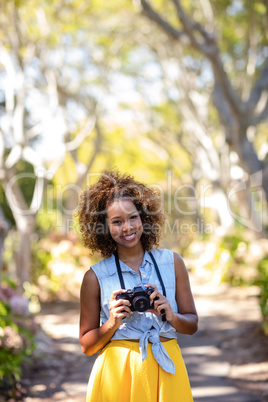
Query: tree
[241,107]
[200,133]
[37,99]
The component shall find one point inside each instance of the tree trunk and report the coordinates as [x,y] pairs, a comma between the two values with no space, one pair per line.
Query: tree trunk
[82,169]
[23,256]
[25,219]
[4,227]
[235,113]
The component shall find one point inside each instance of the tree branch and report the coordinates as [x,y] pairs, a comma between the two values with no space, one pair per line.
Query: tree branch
[97,147]
[35,131]
[224,112]
[38,194]
[31,156]
[188,25]
[154,16]
[2,149]
[248,156]
[14,156]
[208,12]
[260,86]
[210,49]
[207,47]
[7,62]
[80,137]
[263,115]
[16,200]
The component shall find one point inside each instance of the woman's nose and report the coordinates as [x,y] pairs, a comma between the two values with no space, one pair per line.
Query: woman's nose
[126,226]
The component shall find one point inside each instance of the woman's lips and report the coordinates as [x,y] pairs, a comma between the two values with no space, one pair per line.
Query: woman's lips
[129,237]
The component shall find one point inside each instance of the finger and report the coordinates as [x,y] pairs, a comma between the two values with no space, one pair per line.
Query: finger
[150,285]
[163,309]
[121,307]
[123,311]
[120,302]
[155,293]
[160,300]
[116,292]
[122,315]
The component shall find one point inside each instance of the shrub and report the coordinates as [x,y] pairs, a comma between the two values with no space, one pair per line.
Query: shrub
[237,258]
[17,329]
[60,262]
[262,282]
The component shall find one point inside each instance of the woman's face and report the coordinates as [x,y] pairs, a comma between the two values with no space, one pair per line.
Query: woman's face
[124,223]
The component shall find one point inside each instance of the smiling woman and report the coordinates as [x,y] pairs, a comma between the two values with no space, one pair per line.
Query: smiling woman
[134,330]
[125,224]
[97,199]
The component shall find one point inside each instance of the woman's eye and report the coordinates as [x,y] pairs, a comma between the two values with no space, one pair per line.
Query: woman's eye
[115,222]
[133,217]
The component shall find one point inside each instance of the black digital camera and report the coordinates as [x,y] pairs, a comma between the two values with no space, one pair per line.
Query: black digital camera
[139,298]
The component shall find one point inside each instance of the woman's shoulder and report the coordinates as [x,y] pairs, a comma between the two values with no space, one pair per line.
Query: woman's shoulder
[104,267]
[163,255]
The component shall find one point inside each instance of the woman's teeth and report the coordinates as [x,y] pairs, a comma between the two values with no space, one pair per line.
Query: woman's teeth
[129,237]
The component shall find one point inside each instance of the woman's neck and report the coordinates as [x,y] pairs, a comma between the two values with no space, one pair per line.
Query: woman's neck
[133,257]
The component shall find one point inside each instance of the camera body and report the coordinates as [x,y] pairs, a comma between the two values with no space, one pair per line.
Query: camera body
[139,298]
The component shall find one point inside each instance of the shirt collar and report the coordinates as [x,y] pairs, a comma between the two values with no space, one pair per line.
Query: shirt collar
[147,258]
[124,268]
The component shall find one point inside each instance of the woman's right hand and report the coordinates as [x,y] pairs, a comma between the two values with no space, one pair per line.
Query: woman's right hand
[118,309]
[93,336]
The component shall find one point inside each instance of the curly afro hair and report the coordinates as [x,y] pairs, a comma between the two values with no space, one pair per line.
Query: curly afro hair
[95,200]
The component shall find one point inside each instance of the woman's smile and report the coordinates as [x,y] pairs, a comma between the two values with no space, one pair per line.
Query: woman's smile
[129,237]
[124,223]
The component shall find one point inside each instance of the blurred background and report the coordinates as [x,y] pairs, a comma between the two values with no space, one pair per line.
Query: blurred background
[173,92]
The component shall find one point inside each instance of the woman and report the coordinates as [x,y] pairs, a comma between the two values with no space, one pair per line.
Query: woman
[135,332]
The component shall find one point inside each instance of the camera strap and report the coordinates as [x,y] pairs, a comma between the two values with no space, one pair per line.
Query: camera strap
[158,274]
[122,283]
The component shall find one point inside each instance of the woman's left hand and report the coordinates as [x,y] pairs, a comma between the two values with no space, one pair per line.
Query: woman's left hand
[161,303]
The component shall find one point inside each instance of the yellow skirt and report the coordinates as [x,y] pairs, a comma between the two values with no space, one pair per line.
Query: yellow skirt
[118,375]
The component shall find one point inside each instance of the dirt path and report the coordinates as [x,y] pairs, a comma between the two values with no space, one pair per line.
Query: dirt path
[227,359]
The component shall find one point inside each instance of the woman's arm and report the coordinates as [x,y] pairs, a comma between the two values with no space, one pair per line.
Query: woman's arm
[92,336]
[185,321]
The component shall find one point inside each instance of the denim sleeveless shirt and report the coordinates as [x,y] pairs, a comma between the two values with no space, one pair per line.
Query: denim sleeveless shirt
[143,326]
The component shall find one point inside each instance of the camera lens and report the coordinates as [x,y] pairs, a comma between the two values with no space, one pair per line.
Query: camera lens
[141,303]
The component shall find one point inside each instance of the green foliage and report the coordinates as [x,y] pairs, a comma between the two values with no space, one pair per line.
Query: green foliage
[236,258]
[25,178]
[41,258]
[17,329]
[237,271]
[62,262]
[262,282]
[5,207]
